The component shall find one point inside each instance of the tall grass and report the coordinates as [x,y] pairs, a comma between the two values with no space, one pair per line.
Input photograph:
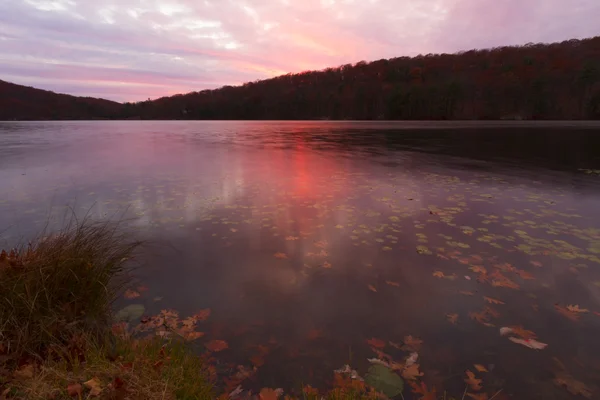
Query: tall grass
[62,284]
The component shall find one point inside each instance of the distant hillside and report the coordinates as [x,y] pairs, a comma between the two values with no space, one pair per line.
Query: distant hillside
[27,103]
[534,81]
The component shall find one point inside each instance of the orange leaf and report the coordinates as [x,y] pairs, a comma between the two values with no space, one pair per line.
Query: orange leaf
[425,393]
[217,345]
[74,389]
[391,283]
[411,343]
[371,288]
[202,315]
[573,386]
[268,394]
[377,343]
[131,294]
[492,300]
[411,372]
[453,318]
[575,308]
[280,255]
[480,368]
[466,293]
[94,386]
[473,382]
[523,333]
[566,313]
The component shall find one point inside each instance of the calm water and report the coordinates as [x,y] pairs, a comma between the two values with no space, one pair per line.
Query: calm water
[307,239]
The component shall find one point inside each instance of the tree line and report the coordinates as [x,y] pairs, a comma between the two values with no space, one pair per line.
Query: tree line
[534,81]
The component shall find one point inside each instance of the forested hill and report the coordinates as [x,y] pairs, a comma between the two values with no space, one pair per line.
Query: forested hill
[535,81]
[26,103]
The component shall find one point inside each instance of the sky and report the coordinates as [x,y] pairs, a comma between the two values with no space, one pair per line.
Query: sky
[132,50]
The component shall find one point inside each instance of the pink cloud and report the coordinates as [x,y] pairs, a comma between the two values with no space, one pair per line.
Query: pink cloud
[134,49]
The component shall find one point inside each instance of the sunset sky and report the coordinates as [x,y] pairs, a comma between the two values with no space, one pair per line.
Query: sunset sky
[130,50]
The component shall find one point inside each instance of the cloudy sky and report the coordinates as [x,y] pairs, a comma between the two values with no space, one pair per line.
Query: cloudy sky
[128,50]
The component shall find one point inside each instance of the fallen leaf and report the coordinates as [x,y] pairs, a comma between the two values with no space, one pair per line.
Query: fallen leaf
[466,293]
[391,283]
[572,385]
[566,313]
[377,343]
[575,308]
[536,263]
[492,300]
[412,359]
[94,386]
[520,331]
[25,372]
[131,294]
[326,264]
[411,343]
[422,389]
[473,382]
[202,315]
[453,318]
[74,389]
[268,394]
[371,288]
[217,345]
[411,372]
[193,335]
[280,255]
[531,343]
[480,368]
[438,274]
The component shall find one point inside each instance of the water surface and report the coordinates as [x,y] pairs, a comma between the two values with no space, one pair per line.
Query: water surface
[307,240]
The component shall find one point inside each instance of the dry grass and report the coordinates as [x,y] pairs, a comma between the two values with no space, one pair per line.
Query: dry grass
[61,285]
[138,370]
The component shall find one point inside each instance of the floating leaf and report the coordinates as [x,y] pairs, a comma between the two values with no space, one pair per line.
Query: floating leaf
[392,283]
[576,309]
[377,343]
[572,385]
[480,368]
[492,300]
[371,288]
[452,318]
[130,313]
[280,255]
[384,380]
[217,345]
[531,343]
[567,313]
[473,382]
[411,372]
[131,294]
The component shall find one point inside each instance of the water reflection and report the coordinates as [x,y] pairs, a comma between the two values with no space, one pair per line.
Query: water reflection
[308,239]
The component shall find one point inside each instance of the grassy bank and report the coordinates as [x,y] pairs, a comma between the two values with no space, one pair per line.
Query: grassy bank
[56,296]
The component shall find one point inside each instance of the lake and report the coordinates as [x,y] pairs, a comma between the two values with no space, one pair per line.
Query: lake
[321,244]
